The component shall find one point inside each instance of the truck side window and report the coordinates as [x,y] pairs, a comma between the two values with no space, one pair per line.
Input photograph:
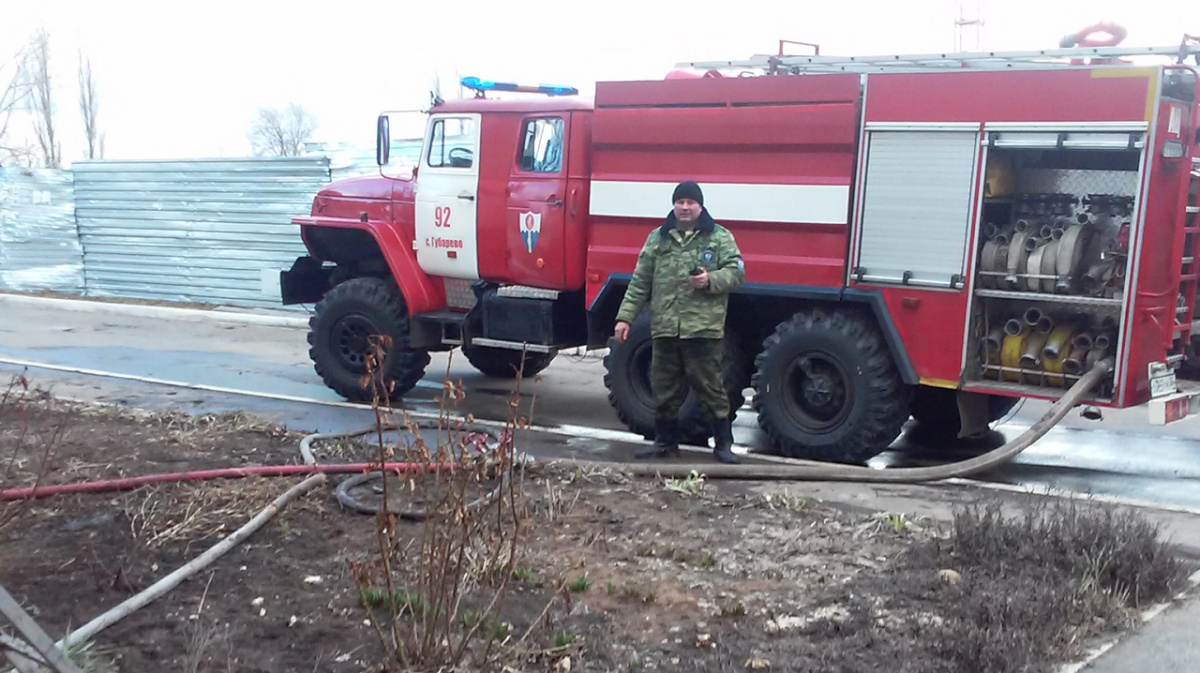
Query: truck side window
[451,143]
[541,145]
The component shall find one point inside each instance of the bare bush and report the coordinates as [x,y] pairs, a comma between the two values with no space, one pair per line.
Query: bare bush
[434,598]
[25,452]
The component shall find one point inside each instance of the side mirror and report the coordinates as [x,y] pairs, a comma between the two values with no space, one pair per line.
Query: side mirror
[383,141]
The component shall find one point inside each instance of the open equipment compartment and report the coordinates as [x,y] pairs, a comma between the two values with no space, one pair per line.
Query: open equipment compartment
[1052,259]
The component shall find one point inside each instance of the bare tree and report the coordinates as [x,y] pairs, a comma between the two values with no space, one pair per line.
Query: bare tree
[13,97]
[281,133]
[89,106]
[41,102]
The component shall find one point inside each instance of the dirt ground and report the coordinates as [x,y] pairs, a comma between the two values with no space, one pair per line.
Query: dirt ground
[614,574]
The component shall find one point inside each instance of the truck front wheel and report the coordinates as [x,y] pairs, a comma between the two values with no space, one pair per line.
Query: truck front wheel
[504,363]
[826,388]
[339,337]
[627,377]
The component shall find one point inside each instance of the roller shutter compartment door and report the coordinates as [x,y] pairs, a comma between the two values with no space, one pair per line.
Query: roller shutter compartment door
[917,207]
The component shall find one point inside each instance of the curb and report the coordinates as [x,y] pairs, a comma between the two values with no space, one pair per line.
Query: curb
[162,312]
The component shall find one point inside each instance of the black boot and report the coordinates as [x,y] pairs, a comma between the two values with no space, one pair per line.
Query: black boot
[666,441]
[723,442]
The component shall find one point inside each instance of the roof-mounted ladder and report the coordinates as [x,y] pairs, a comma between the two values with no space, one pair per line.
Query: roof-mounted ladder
[988,60]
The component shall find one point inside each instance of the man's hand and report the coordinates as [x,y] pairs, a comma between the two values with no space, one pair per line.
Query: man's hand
[699,280]
[621,331]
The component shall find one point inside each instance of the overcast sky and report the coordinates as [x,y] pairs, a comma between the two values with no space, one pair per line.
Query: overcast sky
[185,79]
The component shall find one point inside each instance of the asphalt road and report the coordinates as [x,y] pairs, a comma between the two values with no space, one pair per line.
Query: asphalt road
[105,353]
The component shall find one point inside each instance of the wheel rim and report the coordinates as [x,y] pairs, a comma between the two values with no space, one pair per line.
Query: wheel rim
[350,341]
[816,392]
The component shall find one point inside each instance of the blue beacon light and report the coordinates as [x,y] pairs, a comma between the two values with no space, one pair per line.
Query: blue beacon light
[481,85]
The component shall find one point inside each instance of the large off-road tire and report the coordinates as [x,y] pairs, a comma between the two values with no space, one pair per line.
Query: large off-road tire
[936,411]
[504,363]
[339,331]
[826,388]
[627,377]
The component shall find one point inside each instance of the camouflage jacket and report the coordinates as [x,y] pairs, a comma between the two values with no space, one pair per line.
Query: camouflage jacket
[661,278]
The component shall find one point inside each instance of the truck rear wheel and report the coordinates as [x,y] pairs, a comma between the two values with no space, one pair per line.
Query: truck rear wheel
[504,363]
[339,337]
[627,377]
[826,388]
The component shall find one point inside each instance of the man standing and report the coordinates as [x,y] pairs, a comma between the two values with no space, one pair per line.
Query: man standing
[685,270]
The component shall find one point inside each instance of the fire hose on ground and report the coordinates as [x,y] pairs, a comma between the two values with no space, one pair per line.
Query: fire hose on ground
[805,472]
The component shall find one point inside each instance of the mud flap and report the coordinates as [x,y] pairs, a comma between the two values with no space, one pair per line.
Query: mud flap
[305,283]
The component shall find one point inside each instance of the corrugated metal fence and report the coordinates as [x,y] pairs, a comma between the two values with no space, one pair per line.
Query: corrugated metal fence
[39,242]
[210,231]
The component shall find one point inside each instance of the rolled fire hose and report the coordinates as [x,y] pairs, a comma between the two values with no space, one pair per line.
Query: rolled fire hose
[1094,357]
[1073,363]
[993,340]
[1070,255]
[1058,342]
[1018,255]
[993,258]
[1033,265]
[1037,320]
[1031,357]
[1010,353]
[1049,260]
[1057,349]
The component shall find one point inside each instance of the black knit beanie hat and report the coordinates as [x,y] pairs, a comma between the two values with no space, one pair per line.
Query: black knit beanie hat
[688,190]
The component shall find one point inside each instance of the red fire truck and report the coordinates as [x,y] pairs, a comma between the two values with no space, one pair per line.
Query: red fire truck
[913,227]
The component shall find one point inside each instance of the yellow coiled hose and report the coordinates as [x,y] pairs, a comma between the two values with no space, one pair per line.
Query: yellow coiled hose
[1010,353]
[1058,346]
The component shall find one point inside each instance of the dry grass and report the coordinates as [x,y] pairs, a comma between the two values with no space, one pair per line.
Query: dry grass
[189,513]
[1035,588]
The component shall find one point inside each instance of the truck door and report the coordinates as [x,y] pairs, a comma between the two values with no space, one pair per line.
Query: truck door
[537,189]
[446,193]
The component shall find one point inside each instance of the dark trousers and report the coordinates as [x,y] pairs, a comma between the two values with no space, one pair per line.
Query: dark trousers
[699,362]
